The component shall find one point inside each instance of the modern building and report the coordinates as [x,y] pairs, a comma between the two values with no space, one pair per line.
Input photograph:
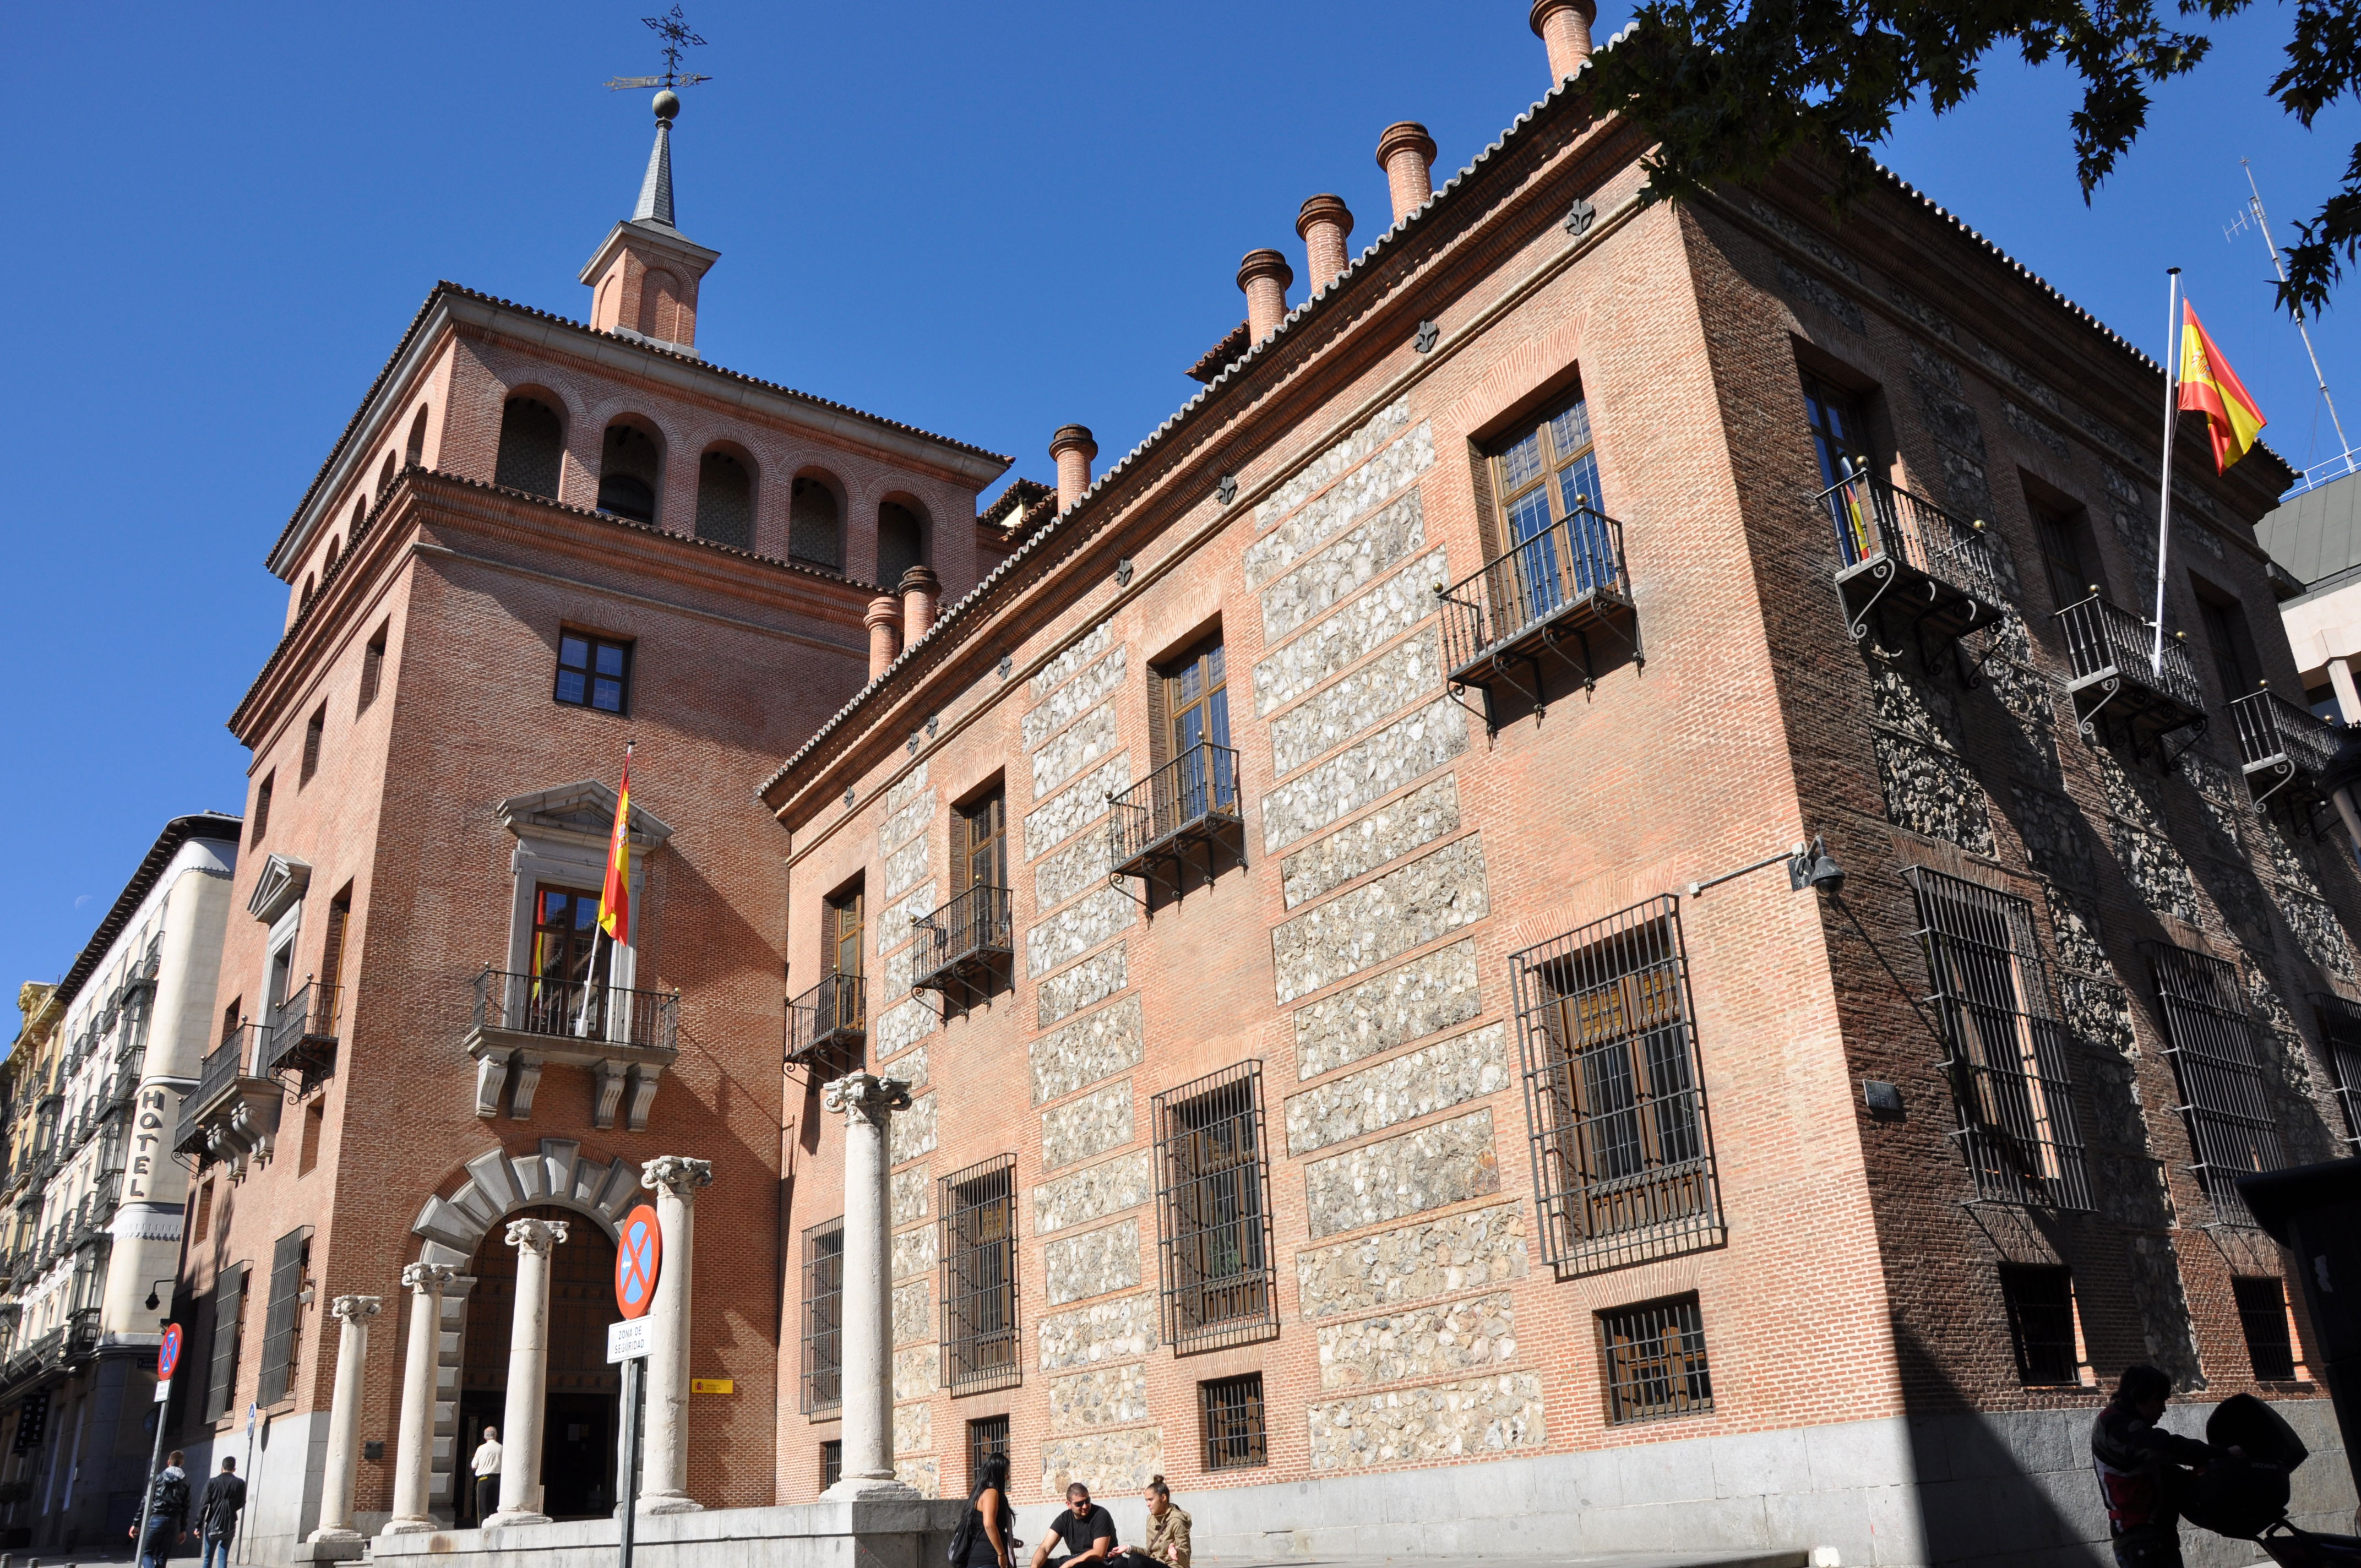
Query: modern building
[94,1197]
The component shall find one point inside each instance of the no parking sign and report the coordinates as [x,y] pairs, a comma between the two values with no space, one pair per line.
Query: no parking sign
[167,1357]
[639,1260]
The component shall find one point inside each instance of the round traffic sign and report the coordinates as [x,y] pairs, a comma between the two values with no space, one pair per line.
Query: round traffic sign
[638,1259]
[167,1354]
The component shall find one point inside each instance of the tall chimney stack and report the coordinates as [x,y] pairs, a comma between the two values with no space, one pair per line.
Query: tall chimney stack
[1324,223]
[1265,275]
[884,623]
[1564,26]
[921,591]
[1073,449]
[1406,153]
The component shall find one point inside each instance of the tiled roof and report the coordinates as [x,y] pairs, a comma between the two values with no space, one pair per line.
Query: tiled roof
[1018,498]
[1209,364]
[447,287]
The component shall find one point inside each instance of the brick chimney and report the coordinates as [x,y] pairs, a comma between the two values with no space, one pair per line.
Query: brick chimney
[644,276]
[884,623]
[1264,275]
[1073,449]
[921,591]
[1324,223]
[1564,26]
[1406,153]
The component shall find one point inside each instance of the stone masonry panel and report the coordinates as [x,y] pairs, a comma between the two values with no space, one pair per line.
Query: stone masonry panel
[1093,1264]
[1094,980]
[1091,738]
[1426,1168]
[1331,513]
[913,1311]
[1076,868]
[1482,1416]
[1359,629]
[905,868]
[1093,1192]
[1425,997]
[906,824]
[1062,816]
[1104,1331]
[914,1252]
[1394,756]
[1076,930]
[1377,691]
[893,923]
[1401,1089]
[1113,1464]
[909,1196]
[1430,897]
[903,1025]
[1474,1335]
[1392,831]
[1391,1268]
[1072,657]
[913,1131]
[1086,691]
[1092,1125]
[916,1372]
[1315,584]
[1098,1046]
[905,789]
[913,1428]
[1347,454]
[1103,1396]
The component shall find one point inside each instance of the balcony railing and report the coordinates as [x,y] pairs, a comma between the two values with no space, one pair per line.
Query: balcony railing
[964,942]
[1568,579]
[2117,674]
[217,1075]
[828,1026]
[586,1011]
[300,1036]
[1904,555]
[1193,799]
[2284,746]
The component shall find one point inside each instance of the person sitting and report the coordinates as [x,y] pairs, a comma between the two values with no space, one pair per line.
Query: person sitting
[2140,1467]
[1168,1532]
[1087,1530]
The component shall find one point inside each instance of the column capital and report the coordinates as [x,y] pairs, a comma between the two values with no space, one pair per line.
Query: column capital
[676,1175]
[866,1096]
[354,1309]
[427,1279]
[536,1236]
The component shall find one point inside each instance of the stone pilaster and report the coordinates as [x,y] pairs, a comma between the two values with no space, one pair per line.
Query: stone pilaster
[352,1315]
[665,1476]
[868,1103]
[413,1455]
[521,1420]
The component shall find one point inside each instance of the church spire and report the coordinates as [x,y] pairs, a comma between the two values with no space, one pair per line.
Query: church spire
[655,187]
[644,277]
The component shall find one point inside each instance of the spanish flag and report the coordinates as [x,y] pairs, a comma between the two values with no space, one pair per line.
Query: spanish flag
[615,897]
[2210,386]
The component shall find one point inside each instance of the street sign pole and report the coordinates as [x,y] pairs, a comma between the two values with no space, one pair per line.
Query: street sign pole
[638,1263]
[168,1357]
[634,1376]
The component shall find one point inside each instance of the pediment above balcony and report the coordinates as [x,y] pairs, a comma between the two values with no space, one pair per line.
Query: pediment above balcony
[278,888]
[578,813]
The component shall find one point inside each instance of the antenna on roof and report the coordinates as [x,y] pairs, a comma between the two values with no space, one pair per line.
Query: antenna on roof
[675,30]
[2342,463]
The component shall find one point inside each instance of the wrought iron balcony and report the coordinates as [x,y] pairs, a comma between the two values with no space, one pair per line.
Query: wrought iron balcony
[828,1027]
[300,1036]
[2287,750]
[1903,556]
[2117,674]
[964,942]
[625,1037]
[234,1110]
[1191,800]
[1563,582]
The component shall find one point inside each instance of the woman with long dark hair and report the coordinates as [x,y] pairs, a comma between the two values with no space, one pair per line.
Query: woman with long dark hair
[990,1521]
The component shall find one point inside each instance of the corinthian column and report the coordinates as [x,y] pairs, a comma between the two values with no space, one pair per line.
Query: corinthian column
[664,1481]
[352,1315]
[413,1456]
[528,1374]
[868,1103]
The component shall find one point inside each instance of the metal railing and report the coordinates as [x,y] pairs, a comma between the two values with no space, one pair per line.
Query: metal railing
[1576,559]
[309,1014]
[2271,726]
[828,1018]
[2225,1099]
[2101,636]
[973,927]
[223,1066]
[1874,518]
[1197,788]
[583,1010]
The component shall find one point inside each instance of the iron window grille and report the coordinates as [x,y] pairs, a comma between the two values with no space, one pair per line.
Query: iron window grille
[2224,1102]
[221,1380]
[2040,1303]
[979,1274]
[2263,1314]
[1655,1364]
[2340,1027]
[283,1317]
[1623,1149]
[1231,1408]
[986,1436]
[2006,1048]
[831,1462]
[824,1317]
[1213,1241]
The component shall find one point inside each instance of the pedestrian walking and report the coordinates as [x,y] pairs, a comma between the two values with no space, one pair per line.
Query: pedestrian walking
[486,1467]
[1168,1532]
[1087,1530]
[217,1513]
[986,1537]
[168,1513]
[2144,1470]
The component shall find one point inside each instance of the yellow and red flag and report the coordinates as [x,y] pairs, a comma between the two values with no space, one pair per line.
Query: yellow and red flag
[2210,386]
[615,896]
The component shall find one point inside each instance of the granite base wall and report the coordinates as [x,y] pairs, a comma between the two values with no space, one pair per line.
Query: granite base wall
[806,1535]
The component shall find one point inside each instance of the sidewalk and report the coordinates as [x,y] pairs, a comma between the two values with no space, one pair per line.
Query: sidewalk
[1796,1558]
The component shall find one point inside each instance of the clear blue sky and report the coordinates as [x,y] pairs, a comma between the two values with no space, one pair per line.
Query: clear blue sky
[984,219]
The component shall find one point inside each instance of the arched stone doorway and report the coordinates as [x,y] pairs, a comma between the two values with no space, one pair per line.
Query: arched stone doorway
[577,1461]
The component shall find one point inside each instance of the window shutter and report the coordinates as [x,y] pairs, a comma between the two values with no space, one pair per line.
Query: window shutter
[963,823]
[281,1319]
[1487,518]
[229,1302]
[1159,722]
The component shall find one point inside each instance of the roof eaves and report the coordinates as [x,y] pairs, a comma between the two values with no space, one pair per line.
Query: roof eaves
[177,832]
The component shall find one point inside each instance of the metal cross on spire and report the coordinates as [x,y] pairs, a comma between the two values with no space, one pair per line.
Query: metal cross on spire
[675,30]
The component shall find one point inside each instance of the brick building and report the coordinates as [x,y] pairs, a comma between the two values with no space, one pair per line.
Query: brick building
[536,542]
[1291,887]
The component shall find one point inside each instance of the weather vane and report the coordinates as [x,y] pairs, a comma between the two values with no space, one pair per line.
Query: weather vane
[675,30]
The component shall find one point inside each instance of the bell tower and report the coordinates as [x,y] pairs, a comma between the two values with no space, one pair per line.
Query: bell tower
[644,275]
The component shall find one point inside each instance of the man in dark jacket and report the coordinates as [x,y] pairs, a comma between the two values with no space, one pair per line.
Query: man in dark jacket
[217,1513]
[168,1514]
[2141,1469]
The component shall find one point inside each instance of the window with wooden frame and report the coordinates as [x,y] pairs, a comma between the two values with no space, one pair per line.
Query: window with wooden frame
[261,823]
[1191,701]
[831,1462]
[823,1381]
[840,932]
[1655,1363]
[373,665]
[979,1276]
[2263,1316]
[986,1435]
[1214,1238]
[1838,421]
[980,842]
[1543,512]
[593,672]
[327,1005]
[564,934]
[2067,557]
[229,1305]
[2233,645]
[2040,1300]
[316,730]
[1232,1411]
[282,1322]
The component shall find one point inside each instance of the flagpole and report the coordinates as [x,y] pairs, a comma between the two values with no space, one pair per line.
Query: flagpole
[2172,417]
